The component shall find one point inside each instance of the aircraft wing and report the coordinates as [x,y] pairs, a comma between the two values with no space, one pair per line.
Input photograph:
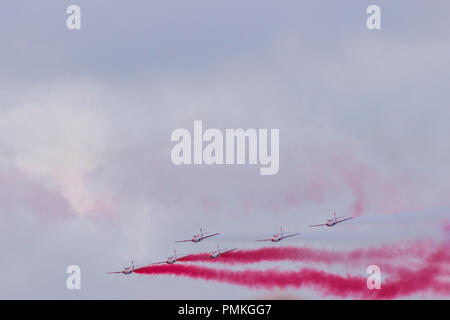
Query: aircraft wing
[291,235]
[318,225]
[270,239]
[227,251]
[113,272]
[210,235]
[160,262]
[344,220]
[190,240]
[184,257]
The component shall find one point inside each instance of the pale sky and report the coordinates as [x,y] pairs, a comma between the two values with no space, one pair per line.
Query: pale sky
[86,118]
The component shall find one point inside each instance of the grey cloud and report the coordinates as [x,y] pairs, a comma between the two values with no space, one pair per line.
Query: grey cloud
[86,120]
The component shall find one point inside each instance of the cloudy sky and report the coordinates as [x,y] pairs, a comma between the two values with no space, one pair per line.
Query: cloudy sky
[86,117]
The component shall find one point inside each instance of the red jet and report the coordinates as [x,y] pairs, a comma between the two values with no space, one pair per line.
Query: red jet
[333,221]
[199,237]
[126,270]
[278,237]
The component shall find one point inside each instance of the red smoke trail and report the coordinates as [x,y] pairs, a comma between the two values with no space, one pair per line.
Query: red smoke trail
[266,279]
[404,280]
[329,284]
[417,249]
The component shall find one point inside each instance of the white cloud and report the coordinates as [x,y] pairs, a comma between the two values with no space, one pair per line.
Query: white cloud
[361,126]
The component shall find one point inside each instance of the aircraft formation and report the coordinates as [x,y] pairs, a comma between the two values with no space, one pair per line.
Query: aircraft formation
[219,252]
